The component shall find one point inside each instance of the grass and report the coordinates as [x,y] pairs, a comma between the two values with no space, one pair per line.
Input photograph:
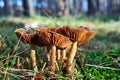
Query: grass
[102,51]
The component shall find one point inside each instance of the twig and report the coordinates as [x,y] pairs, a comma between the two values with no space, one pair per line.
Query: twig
[51,19]
[102,67]
[43,67]
[16,76]
[57,65]
[16,70]
[16,46]
[33,29]
[52,73]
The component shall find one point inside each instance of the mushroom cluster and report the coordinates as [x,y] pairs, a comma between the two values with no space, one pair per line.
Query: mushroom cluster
[61,42]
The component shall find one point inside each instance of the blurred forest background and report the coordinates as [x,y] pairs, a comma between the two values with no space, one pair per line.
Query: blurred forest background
[99,58]
[59,7]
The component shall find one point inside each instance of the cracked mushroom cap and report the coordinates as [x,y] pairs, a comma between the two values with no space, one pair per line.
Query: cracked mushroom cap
[82,34]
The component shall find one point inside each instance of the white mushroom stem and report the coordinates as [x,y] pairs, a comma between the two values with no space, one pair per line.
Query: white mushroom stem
[71,57]
[33,57]
[58,55]
[63,55]
[53,56]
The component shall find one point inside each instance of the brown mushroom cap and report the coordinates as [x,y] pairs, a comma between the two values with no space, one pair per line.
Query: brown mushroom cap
[52,29]
[56,39]
[34,39]
[43,37]
[86,35]
[49,29]
[82,34]
[25,37]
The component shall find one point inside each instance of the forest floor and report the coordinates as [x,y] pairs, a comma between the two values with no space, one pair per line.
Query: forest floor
[100,57]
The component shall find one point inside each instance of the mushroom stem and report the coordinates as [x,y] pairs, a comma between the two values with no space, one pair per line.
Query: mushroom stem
[18,62]
[33,57]
[58,54]
[53,56]
[71,57]
[63,55]
[48,53]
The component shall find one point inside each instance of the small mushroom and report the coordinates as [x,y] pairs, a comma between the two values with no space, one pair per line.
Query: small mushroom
[28,38]
[79,36]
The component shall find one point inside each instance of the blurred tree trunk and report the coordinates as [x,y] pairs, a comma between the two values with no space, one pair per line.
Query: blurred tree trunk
[28,8]
[67,11]
[93,7]
[18,10]
[67,6]
[78,7]
[49,4]
[6,8]
[109,7]
[115,6]
[39,8]
[103,7]
[61,7]
[51,7]
[56,9]
[11,8]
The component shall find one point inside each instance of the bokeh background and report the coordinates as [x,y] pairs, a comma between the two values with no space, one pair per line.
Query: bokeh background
[99,59]
[59,8]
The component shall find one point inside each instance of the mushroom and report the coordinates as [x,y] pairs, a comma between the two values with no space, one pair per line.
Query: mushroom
[44,37]
[61,54]
[28,38]
[55,40]
[79,36]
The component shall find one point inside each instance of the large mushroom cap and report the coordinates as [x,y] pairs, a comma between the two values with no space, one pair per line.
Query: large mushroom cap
[54,38]
[82,35]
[85,34]
[44,38]
[52,29]
[60,41]
[65,30]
